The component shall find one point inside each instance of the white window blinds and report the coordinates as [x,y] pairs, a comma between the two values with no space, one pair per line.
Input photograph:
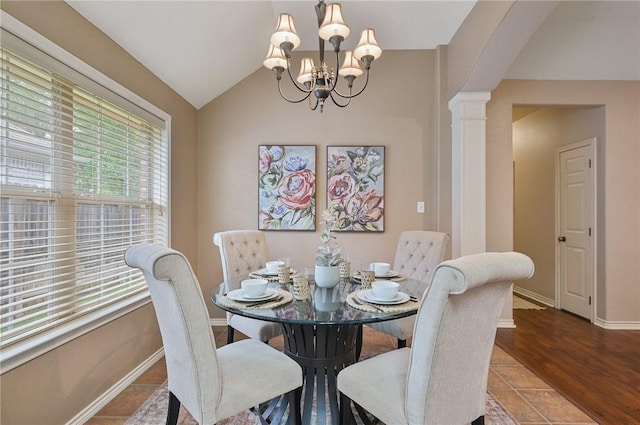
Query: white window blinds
[81,179]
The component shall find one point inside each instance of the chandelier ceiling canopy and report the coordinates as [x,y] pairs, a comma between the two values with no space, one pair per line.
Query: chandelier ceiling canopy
[320,79]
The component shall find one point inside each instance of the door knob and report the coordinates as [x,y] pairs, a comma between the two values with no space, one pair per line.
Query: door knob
[562,239]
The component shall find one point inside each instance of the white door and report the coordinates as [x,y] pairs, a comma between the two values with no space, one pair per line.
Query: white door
[575,225]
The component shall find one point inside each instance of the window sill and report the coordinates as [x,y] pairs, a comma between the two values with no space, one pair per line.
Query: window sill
[24,351]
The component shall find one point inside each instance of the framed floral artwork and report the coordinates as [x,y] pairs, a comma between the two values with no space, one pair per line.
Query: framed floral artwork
[355,187]
[286,187]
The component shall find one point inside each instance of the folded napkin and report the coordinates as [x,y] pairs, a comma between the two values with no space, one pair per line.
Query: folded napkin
[378,308]
[259,275]
[263,274]
[286,297]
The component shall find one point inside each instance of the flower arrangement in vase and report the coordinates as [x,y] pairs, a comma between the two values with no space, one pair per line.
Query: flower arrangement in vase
[328,256]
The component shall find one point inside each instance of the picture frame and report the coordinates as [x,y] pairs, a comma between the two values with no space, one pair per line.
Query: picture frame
[355,187]
[287,187]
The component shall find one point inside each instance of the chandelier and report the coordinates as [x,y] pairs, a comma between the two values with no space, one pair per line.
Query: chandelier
[320,80]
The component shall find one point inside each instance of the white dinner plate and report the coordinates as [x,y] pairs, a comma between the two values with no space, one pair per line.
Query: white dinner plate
[368,296]
[389,274]
[239,295]
[267,273]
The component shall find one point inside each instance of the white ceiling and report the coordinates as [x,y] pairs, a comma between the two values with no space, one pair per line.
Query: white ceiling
[203,48]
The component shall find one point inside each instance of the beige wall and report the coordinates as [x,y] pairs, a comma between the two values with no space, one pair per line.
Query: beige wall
[58,385]
[618,286]
[442,172]
[536,139]
[396,110]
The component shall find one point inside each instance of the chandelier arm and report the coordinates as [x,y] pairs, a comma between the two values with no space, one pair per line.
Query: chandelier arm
[337,104]
[295,83]
[315,106]
[291,100]
[351,96]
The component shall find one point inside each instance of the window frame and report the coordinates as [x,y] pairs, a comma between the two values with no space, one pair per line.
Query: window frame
[30,348]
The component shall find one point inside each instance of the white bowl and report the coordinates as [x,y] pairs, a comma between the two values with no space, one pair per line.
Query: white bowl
[381,269]
[272,266]
[385,289]
[254,287]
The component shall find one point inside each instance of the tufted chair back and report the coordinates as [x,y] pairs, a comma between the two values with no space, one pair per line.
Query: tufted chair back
[241,251]
[419,252]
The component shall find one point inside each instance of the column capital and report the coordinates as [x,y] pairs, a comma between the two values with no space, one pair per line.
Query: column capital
[469,105]
[470,96]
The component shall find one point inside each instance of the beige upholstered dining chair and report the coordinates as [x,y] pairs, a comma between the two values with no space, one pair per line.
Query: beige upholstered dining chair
[442,378]
[211,383]
[243,252]
[417,255]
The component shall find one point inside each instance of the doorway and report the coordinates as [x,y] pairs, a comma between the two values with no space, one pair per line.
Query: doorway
[539,132]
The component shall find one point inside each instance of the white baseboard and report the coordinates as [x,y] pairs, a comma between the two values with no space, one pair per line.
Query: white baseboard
[506,323]
[533,296]
[614,325]
[116,389]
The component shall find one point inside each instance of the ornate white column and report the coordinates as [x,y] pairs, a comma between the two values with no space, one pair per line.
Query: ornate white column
[469,224]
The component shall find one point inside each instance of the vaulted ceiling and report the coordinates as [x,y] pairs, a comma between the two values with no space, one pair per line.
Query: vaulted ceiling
[202,48]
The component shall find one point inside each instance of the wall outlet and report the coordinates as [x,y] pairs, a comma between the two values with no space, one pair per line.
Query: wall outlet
[420,207]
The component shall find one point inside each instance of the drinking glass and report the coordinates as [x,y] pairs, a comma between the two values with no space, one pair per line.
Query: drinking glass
[301,284]
[367,276]
[284,270]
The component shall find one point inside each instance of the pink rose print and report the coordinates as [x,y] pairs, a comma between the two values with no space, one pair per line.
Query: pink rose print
[297,189]
[340,187]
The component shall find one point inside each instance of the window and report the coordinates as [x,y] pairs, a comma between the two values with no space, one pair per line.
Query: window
[81,179]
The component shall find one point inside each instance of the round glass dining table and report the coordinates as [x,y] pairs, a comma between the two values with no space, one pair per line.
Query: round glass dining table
[323,334]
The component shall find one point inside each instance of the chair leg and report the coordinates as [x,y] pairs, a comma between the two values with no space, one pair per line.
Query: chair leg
[346,414]
[402,343]
[479,421]
[295,415]
[173,410]
[229,334]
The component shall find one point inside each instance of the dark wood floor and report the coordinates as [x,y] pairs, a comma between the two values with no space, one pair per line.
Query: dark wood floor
[597,369]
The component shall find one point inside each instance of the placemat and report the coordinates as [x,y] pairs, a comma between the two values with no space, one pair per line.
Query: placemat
[286,298]
[378,308]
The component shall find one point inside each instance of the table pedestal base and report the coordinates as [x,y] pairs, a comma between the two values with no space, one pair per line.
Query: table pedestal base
[322,351]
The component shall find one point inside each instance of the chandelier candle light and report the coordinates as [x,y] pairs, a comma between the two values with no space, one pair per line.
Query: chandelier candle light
[321,79]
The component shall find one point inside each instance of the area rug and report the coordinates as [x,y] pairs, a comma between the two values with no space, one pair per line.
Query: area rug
[522,304]
[154,412]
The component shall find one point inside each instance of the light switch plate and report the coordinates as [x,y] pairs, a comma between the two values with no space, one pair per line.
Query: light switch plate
[420,207]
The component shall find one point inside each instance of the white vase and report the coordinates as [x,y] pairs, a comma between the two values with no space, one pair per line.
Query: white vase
[327,276]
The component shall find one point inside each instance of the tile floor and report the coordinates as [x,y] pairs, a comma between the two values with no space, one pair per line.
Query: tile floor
[523,394]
